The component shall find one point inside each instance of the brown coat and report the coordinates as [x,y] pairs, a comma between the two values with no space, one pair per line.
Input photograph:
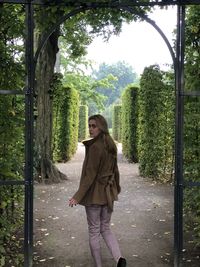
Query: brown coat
[99,183]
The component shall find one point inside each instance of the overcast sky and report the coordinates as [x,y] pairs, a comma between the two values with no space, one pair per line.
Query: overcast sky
[139,44]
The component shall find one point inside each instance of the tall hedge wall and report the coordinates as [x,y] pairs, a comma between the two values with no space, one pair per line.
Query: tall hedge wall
[191,162]
[11,168]
[66,124]
[191,165]
[155,125]
[129,123]
[117,123]
[83,122]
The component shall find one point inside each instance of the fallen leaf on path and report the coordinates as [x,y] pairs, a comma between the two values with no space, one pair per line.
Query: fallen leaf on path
[56,218]
[43,229]
[39,243]
[166,233]
[42,260]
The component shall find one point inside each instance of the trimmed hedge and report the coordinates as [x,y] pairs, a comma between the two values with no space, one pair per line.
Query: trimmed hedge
[129,123]
[191,131]
[11,168]
[83,122]
[117,123]
[191,167]
[66,125]
[155,125]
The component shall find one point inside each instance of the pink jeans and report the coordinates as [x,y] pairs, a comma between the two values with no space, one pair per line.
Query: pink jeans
[98,219]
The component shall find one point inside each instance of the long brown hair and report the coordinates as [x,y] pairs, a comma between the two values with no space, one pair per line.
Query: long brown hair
[103,126]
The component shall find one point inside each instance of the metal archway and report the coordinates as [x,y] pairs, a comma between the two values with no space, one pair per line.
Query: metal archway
[82,9]
[31,60]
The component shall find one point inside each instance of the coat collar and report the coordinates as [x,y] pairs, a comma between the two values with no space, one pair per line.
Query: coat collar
[92,140]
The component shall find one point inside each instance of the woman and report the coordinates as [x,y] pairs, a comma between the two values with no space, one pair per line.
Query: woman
[99,188]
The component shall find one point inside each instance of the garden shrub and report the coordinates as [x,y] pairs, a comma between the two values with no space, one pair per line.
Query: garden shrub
[11,168]
[66,124]
[191,163]
[129,123]
[117,122]
[155,125]
[83,122]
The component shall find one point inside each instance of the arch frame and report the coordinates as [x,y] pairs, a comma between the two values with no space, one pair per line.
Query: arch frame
[31,60]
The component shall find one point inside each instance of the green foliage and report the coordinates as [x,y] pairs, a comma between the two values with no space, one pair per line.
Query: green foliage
[124,75]
[192,122]
[11,228]
[83,122]
[66,115]
[11,168]
[87,88]
[117,122]
[155,128]
[10,51]
[129,123]
[11,133]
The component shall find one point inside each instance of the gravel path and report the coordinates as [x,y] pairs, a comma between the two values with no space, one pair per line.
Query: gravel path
[142,221]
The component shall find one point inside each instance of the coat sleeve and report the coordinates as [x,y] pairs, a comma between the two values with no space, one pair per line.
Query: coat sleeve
[91,170]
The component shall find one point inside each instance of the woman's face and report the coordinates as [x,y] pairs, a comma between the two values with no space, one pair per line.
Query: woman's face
[93,129]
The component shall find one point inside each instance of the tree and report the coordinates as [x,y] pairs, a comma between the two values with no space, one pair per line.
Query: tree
[124,74]
[87,87]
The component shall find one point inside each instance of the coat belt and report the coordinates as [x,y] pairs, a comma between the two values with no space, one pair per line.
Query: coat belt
[108,179]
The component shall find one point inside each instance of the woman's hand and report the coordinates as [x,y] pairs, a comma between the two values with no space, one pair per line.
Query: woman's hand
[72,202]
